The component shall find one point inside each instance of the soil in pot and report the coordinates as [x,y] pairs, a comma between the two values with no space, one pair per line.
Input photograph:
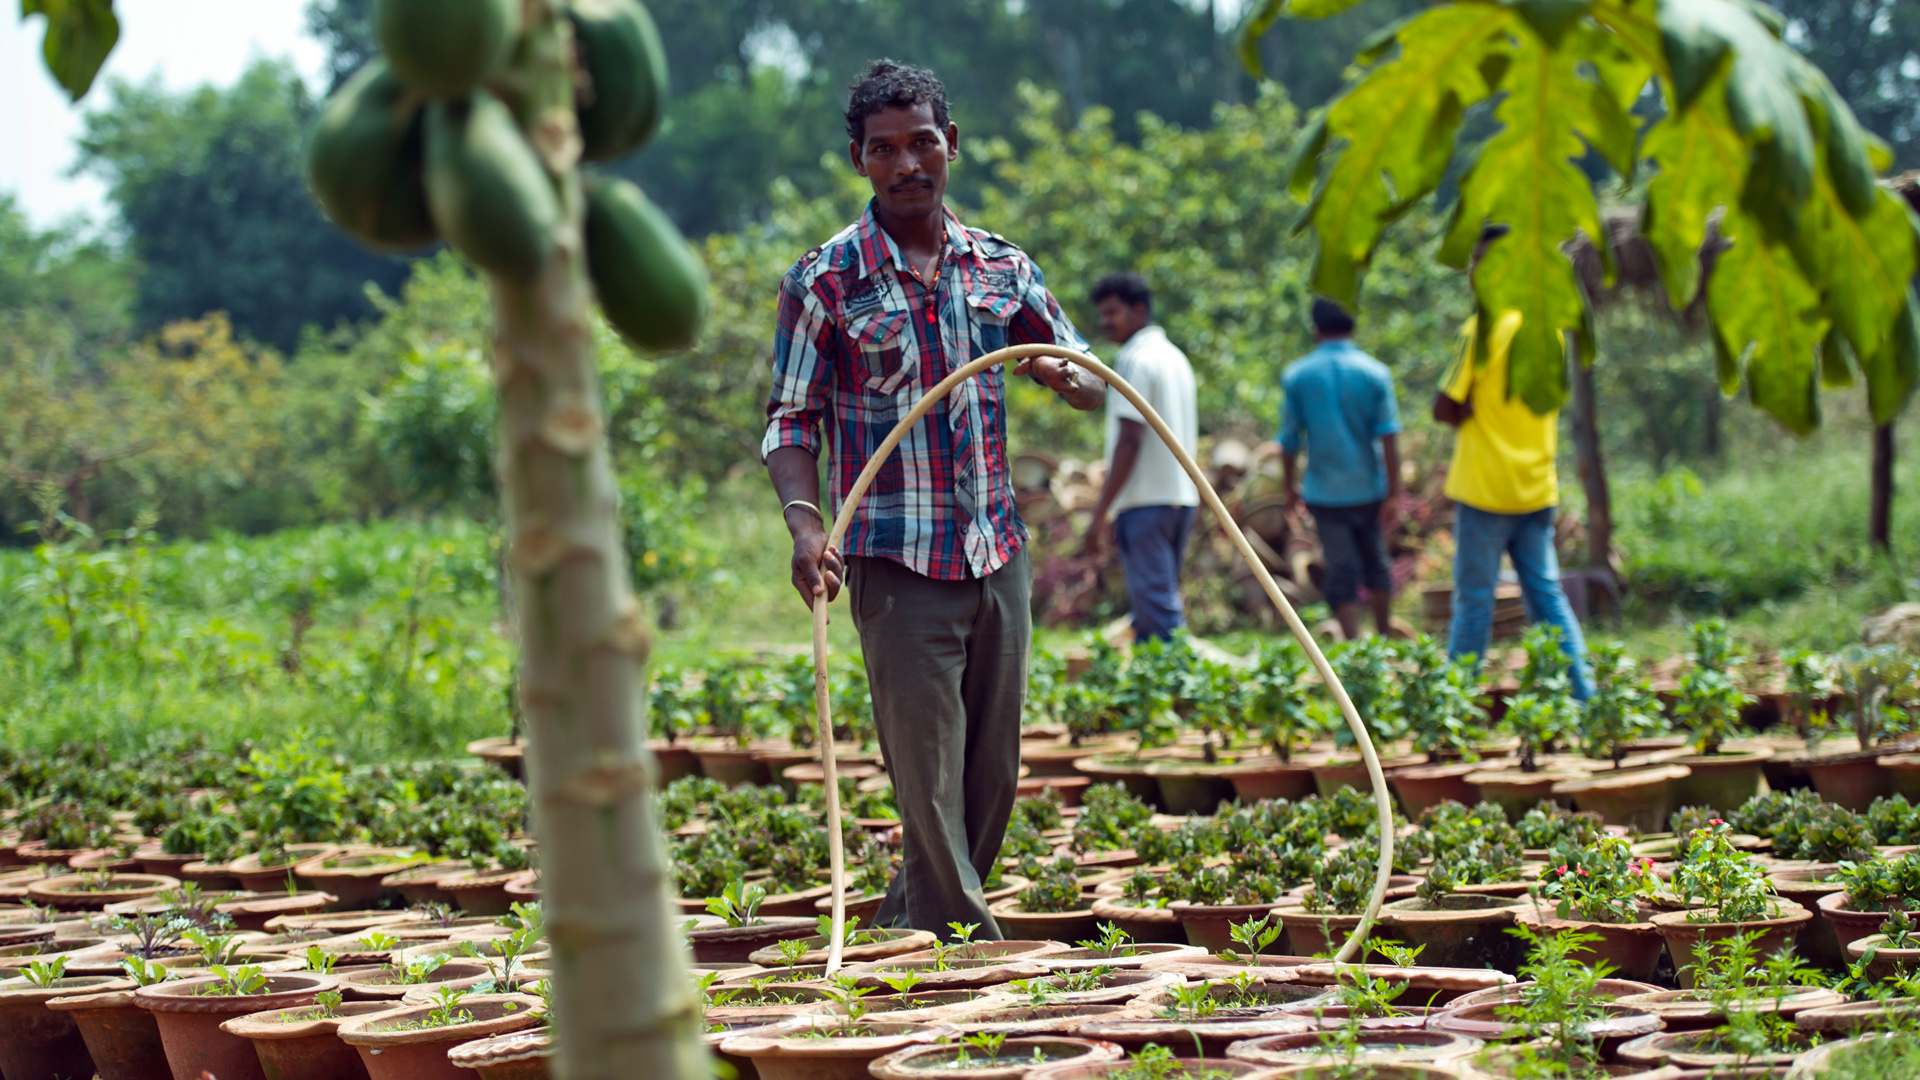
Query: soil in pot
[1631,798]
[1016,1021]
[867,945]
[36,1041]
[825,1048]
[1012,1060]
[735,943]
[121,1037]
[1698,1050]
[302,1043]
[1204,1037]
[1462,930]
[1421,786]
[387,983]
[263,877]
[1259,779]
[1681,933]
[356,875]
[1722,781]
[396,1046]
[189,1017]
[91,892]
[1277,1051]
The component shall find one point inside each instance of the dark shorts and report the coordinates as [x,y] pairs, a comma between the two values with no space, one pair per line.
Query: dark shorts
[1355,550]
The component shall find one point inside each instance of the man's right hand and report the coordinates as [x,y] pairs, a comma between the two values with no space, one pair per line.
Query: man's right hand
[817,569]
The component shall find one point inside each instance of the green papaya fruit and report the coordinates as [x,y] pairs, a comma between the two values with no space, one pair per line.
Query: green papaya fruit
[365,161]
[652,288]
[626,66]
[489,194]
[444,48]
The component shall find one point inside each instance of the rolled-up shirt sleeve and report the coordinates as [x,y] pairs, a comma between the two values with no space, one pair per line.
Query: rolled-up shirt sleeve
[803,348]
[1039,321]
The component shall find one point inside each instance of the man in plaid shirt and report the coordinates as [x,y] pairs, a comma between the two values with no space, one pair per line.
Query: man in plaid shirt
[936,555]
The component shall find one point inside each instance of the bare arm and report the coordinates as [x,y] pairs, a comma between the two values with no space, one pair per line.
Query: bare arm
[1290,466]
[817,570]
[1390,508]
[1126,454]
[1450,412]
[1088,390]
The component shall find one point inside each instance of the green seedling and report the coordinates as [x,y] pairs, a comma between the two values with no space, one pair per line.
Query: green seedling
[320,960]
[793,951]
[328,1002]
[376,941]
[1256,935]
[237,982]
[446,1009]
[1112,942]
[903,983]
[215,949]
[44,974]
[144,972]
[738,903]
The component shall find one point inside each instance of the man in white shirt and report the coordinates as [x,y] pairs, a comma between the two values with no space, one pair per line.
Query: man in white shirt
[1151,499]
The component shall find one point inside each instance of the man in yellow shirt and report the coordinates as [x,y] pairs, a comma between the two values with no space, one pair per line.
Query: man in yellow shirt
[1505,487]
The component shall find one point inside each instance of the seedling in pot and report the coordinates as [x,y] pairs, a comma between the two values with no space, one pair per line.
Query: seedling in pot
[415,970]
[320,960]
[198,906]
[44,974]
[235,982]
[327,1003]
[152,934]
[376,941]
[144,972]
[1557,1010]
[214,948]
[436,914]
[846,992]
[1191,1002]
[823,928]
[1256,935]
[1113,942]
[739,903]
[793,951]
[903,983]
[446,1010]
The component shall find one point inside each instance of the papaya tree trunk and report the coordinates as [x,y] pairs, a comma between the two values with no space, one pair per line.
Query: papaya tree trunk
[1592,468]
[1880,514]
[623,999]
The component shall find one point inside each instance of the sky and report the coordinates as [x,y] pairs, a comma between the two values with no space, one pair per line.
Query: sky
[185,42]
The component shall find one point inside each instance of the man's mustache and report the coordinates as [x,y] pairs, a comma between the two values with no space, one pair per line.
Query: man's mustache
[905,185]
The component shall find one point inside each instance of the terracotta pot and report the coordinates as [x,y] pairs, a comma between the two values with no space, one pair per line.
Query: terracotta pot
[1016,1020]
[1851,780]
[1206,1037]
[521,1055]
[70,892]
[730,764]
[1192,787]
[1815,1062]
[356,875]
[1115,988]
[1263,778]
[391,1051]
[254,913]
[736,943]
[859,906]
[890,943]
[1068,789]
[1722,781]
[1368,1047]
[212,877]
[1158,926]
[504,752]
[1616,1024]
[190,1022]
[421,884]
[958,974]
[121,1037]
[792,1051]
[1312,933]
[1633,798]
[1210,926]
[1682,934]
[932,1006]
[1332,774]
[1517,792]
[1426,986]
[108,859]
[1057,759]
[1210,1067]
[1014,1060]
[374,983]
[36,1041]
[1886,962]
[259,877]
[1816,942]
[1137,955]
[1605,990]
[1421,786]
[37,853]
[1458,930]
[1848,924]
[1688,1049]
[297,1044]
[1128,771]
[1903,774]
[479,892]
[1854,1016]
[1695,1010]
[1075,926]
[674,760]
[1633,949]
[335,923]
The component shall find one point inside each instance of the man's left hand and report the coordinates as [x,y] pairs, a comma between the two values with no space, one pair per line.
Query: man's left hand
[1095,544]
[1056,374]
[1389,513]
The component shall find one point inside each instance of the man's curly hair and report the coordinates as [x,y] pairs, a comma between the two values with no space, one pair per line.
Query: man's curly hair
[889,84]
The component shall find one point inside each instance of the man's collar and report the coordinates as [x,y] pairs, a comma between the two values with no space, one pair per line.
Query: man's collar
[874,248]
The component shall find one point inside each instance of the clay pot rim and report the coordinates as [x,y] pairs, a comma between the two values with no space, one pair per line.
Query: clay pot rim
[1623,779]
[1092,1048]
[478,879]
[1508,993]
[1747,756]
[250,862]
[1271,1046]
[424,873]
[1544,917]
[258,1025]
[1446,770]
[784,1040]
[1791,913]
[154,882]
[1836,1017]
[27,993]
[315,867]
[1618,1021]
[354,978]
[1495,911]
[1516,778]
[265,902]
[503,1049]
[1152,1030]
[529,1012]
[1011,906]
[1665,1042]
[177,996]
[1839,903]
[1858,948]
[750,931]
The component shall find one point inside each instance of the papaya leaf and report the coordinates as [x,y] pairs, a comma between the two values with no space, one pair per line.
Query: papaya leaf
[1551,19]
[1391,135]
[1257,26]
[1861,264]
[1766,311]
[1528,179]
[1763,95]
[1892,375]
[1836,362]
[1703,165]
[80,35]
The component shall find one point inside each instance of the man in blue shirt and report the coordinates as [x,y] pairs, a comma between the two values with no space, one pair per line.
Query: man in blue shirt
[1339,405]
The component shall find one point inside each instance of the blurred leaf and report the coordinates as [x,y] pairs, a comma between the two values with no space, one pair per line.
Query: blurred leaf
[80,35]
[1766,312]
[1703,164]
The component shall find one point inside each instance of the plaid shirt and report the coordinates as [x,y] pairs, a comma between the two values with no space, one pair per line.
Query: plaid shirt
[862,338]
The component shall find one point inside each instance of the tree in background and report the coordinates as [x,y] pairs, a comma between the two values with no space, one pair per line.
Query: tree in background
[1871,51]
[208,185]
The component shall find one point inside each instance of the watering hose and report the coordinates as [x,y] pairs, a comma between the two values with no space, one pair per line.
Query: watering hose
[823,706]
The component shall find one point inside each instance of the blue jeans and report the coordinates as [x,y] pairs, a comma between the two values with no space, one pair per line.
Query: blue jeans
[1153,544]
[1479,540]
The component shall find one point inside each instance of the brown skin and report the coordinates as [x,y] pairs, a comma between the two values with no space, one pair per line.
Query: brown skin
[905,156]
[1348,615]
[1119,321]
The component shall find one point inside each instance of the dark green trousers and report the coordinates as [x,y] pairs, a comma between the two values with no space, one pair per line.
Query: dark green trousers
[947,665]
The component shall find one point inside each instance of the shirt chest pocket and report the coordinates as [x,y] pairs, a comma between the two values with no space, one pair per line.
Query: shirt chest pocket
[990,311]
[885,352]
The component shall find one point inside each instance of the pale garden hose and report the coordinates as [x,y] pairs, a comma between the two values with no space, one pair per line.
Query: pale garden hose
[823,706]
